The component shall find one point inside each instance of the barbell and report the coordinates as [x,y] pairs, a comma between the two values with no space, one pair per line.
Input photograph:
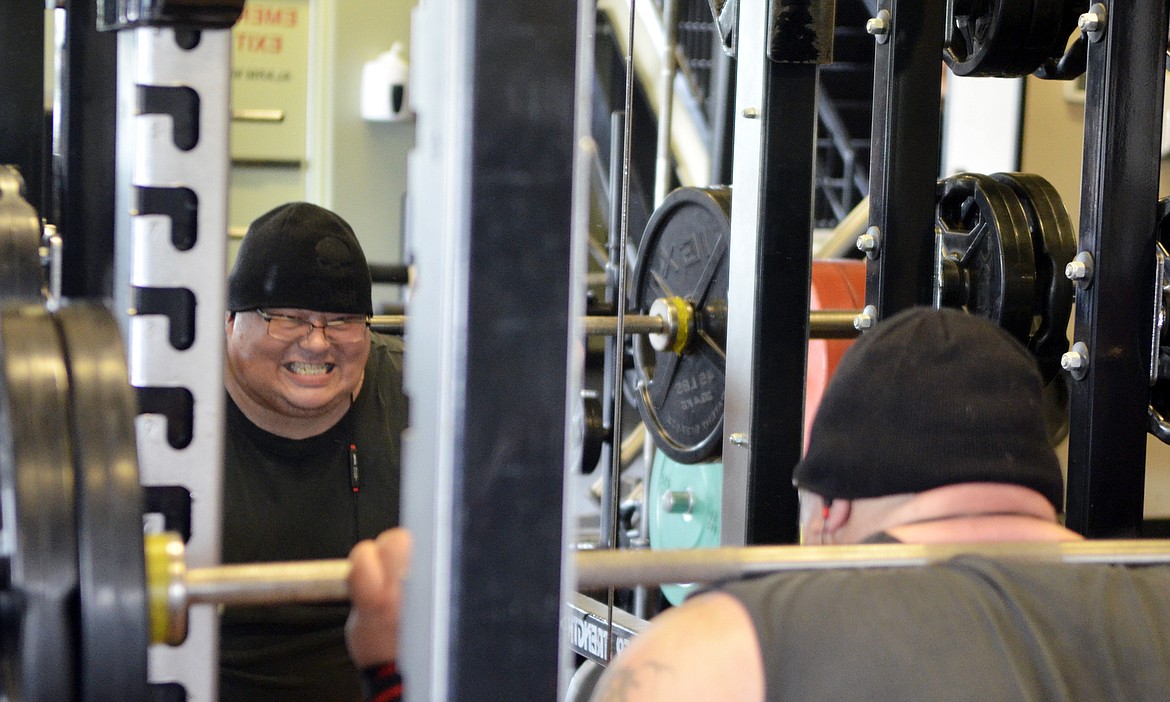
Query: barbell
[174,587]
[325,580]
[598,569]
[822,324]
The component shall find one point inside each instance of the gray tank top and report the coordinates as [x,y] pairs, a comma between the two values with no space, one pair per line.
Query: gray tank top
[969,629]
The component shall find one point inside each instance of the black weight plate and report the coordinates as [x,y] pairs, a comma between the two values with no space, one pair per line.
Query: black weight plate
[21,276]
[684,254]
[1008,38]
[1054,244]
[982,40]
[593,432]
[1160,391]
[39,539]
[980,224]
[111,568]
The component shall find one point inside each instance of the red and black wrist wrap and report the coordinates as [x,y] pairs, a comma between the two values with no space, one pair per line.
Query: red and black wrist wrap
[382,683]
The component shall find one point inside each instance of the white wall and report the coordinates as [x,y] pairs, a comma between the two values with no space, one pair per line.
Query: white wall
[365,172]
[353,167]
[981,124]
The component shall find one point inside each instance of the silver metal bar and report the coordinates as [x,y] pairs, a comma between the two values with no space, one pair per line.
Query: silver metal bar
[269,583]
[634,324]
[325,580]
[843,239]
[388,323]
[581,241]
[832,324]
[593,325]
[598,569]
[54,258]
[615,469]
[746,211]
[691,154]
[823,324]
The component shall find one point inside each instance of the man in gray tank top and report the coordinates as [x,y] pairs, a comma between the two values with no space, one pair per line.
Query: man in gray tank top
[931,431]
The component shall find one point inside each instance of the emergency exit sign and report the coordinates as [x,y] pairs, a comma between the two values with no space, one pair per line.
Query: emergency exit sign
[270,66]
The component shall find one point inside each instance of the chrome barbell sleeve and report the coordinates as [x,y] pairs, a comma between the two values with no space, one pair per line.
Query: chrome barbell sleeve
[173,587]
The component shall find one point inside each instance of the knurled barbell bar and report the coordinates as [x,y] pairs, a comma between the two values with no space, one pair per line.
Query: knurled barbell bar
[822,324]
[326,580]
[597,569]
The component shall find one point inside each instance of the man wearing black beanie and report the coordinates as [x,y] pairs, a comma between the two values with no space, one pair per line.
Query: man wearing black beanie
[930,431]
[315,412]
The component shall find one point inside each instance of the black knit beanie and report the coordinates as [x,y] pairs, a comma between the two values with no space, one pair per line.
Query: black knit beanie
[931,398]
[302,256]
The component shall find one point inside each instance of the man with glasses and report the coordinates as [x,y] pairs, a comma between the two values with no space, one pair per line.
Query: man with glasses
[315,412]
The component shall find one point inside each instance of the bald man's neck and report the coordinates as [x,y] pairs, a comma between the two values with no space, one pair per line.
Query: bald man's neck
[964,512]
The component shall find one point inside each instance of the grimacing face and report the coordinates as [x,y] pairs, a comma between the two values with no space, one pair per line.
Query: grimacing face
[306,380]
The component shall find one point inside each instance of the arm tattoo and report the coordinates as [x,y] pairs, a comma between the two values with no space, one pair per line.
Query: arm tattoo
[626,681]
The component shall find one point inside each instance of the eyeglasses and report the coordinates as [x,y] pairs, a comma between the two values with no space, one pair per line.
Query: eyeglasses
[338,331]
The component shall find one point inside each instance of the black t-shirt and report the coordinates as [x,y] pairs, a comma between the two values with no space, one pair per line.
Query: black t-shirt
[287,499]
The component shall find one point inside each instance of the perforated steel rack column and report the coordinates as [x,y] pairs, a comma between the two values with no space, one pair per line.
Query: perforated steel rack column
[780,44]
[904,152]
[171,207]
[1114,313]
[488,345]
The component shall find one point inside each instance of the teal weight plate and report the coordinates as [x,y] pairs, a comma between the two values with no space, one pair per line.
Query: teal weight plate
[694,520]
